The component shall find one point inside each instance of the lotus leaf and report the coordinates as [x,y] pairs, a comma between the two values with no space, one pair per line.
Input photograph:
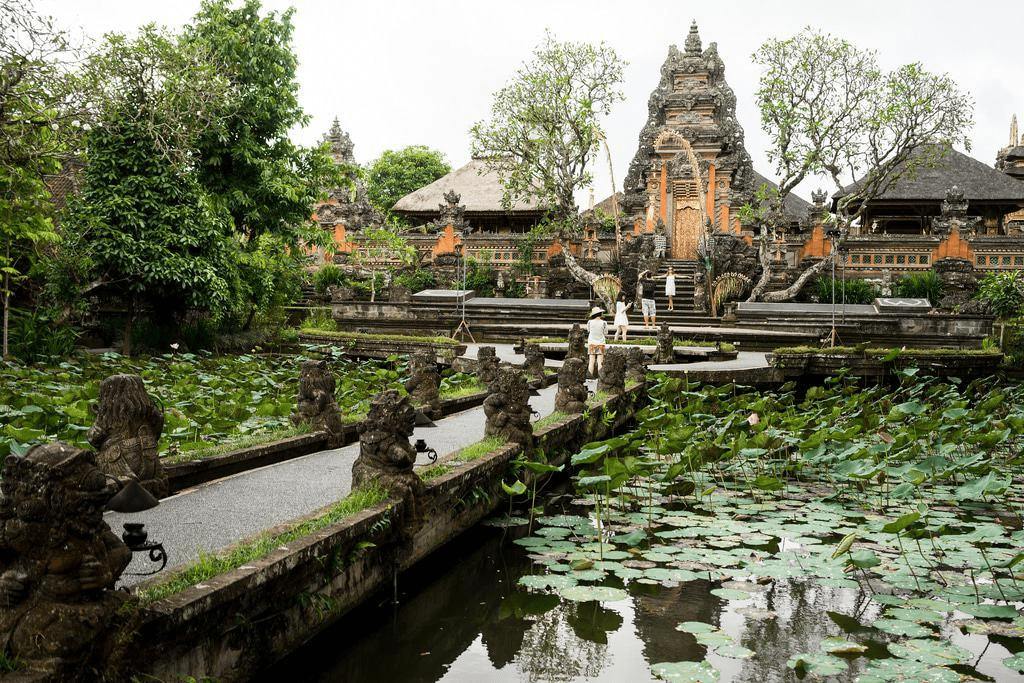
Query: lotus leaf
[686,672]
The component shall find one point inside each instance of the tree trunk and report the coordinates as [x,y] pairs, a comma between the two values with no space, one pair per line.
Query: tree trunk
[585,276]
[7,311]
[129,328]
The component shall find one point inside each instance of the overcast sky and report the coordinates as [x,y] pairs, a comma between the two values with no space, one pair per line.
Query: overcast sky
[404,72]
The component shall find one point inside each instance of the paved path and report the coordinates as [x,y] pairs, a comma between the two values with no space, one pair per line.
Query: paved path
[218,514]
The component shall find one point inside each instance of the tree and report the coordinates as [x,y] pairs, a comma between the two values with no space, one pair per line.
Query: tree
[544,124]
[144,229]
[395,174]
[40,120]
[267,184]
[830,110]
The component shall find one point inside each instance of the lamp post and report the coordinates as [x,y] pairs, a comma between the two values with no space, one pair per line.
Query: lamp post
[833,334]
[134,498]
[463,327]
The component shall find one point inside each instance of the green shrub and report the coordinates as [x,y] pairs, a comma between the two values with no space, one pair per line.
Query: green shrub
[320,319]
[927,285]
[854,291]
[416,280]
[36,335]
[329,274]
[1005,291]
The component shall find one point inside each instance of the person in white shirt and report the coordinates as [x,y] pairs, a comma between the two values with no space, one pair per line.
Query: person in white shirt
[597,330]
[621,321]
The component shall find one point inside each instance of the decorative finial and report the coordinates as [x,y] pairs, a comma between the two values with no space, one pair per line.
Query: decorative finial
[693,41]
[1013,131]
[341,144]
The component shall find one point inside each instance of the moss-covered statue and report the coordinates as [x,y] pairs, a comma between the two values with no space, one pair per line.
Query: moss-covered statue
[316,404]
[58,559]
[126,433]
[487,364]
[577,343]
[572,392]
[507,408]
[611,379]
[665,353]
[636,365]
[424,382]
[385,455]
[533,366]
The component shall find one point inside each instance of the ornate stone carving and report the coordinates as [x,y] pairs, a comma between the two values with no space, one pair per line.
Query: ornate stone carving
[611,378]
[534,363]
[385,455]
[58,559]
[423,383]
[451,213]
[316,403]
[959,282]
[572,393]
[664,353]
[577,343]
[507,408]
[487,364]
[126,432]
[636,364]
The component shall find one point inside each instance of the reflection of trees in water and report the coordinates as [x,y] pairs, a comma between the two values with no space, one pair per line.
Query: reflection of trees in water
[556,648]
[660,609]
[802,622]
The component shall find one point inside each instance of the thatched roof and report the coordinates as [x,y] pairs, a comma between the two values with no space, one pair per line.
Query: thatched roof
[794,207]
[979,182]
[478,185]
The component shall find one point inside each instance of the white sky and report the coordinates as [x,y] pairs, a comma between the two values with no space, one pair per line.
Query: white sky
[403,72]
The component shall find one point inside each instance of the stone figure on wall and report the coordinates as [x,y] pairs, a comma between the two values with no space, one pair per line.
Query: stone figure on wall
[59,560]
[385,455]
[316,403]
[487,364]
[636,364]
[664,352]
[534,363]
[577,347]
[507,408]
[611,379]
[424,382]
[126,433]
[572,393]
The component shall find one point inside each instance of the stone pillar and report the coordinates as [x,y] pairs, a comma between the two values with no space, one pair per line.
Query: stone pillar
[572,392]
[316,404]
[612,376]
[507,408]
[424,382]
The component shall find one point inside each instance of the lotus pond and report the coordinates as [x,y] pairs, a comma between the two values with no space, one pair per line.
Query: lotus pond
[843,534]
[207,399]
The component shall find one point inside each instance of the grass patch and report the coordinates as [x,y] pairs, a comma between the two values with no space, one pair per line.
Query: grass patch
[9,664]
[434,471]
[260,439]
[488,444]
[548,420]
[468,387]
[599,397]
[208,566]
[364,336]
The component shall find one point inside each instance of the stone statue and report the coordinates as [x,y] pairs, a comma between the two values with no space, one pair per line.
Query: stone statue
[423,383]
[534,363]
[572,393]
[611,379]
[487,364]
[664,353]
[58,559]
[385,455]
[577,343]
[636,365]
[316,403]
[126,432]
[507,408]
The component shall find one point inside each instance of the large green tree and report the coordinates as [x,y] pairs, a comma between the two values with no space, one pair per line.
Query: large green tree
[831,111]
[268,184]
[544,124]
[395,174]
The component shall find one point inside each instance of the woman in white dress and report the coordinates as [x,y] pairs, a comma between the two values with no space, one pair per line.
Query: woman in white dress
[670,286]
[621,321]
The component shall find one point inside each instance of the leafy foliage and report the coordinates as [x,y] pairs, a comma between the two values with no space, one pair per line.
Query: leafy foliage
[852,291]
[395,174]
[926,285]
[1004,291]
[544,123]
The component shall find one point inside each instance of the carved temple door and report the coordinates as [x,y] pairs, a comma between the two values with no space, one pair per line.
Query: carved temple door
[686,223]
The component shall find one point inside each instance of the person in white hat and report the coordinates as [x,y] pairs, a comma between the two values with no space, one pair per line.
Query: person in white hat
[597,330]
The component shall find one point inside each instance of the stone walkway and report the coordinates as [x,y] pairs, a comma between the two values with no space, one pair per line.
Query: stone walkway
[218,514]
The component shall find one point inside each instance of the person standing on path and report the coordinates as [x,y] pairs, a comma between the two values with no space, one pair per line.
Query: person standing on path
[670,287]
[597,330]
[647,300]
[621,321]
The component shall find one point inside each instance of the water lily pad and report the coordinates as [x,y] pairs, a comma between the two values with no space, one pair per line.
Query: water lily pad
[588,574]
[686,672]
[734,652]
[989,611]
[838,583]
[730,594]
[907,671]
[695,627]
[817,663]
[930,651]
[553,531]
[842,646]
[899,627]
[505,522]
[932,604]
[542,581]
[1016,662]
[889,599]
[599,593]
[914,614]
[714,639]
